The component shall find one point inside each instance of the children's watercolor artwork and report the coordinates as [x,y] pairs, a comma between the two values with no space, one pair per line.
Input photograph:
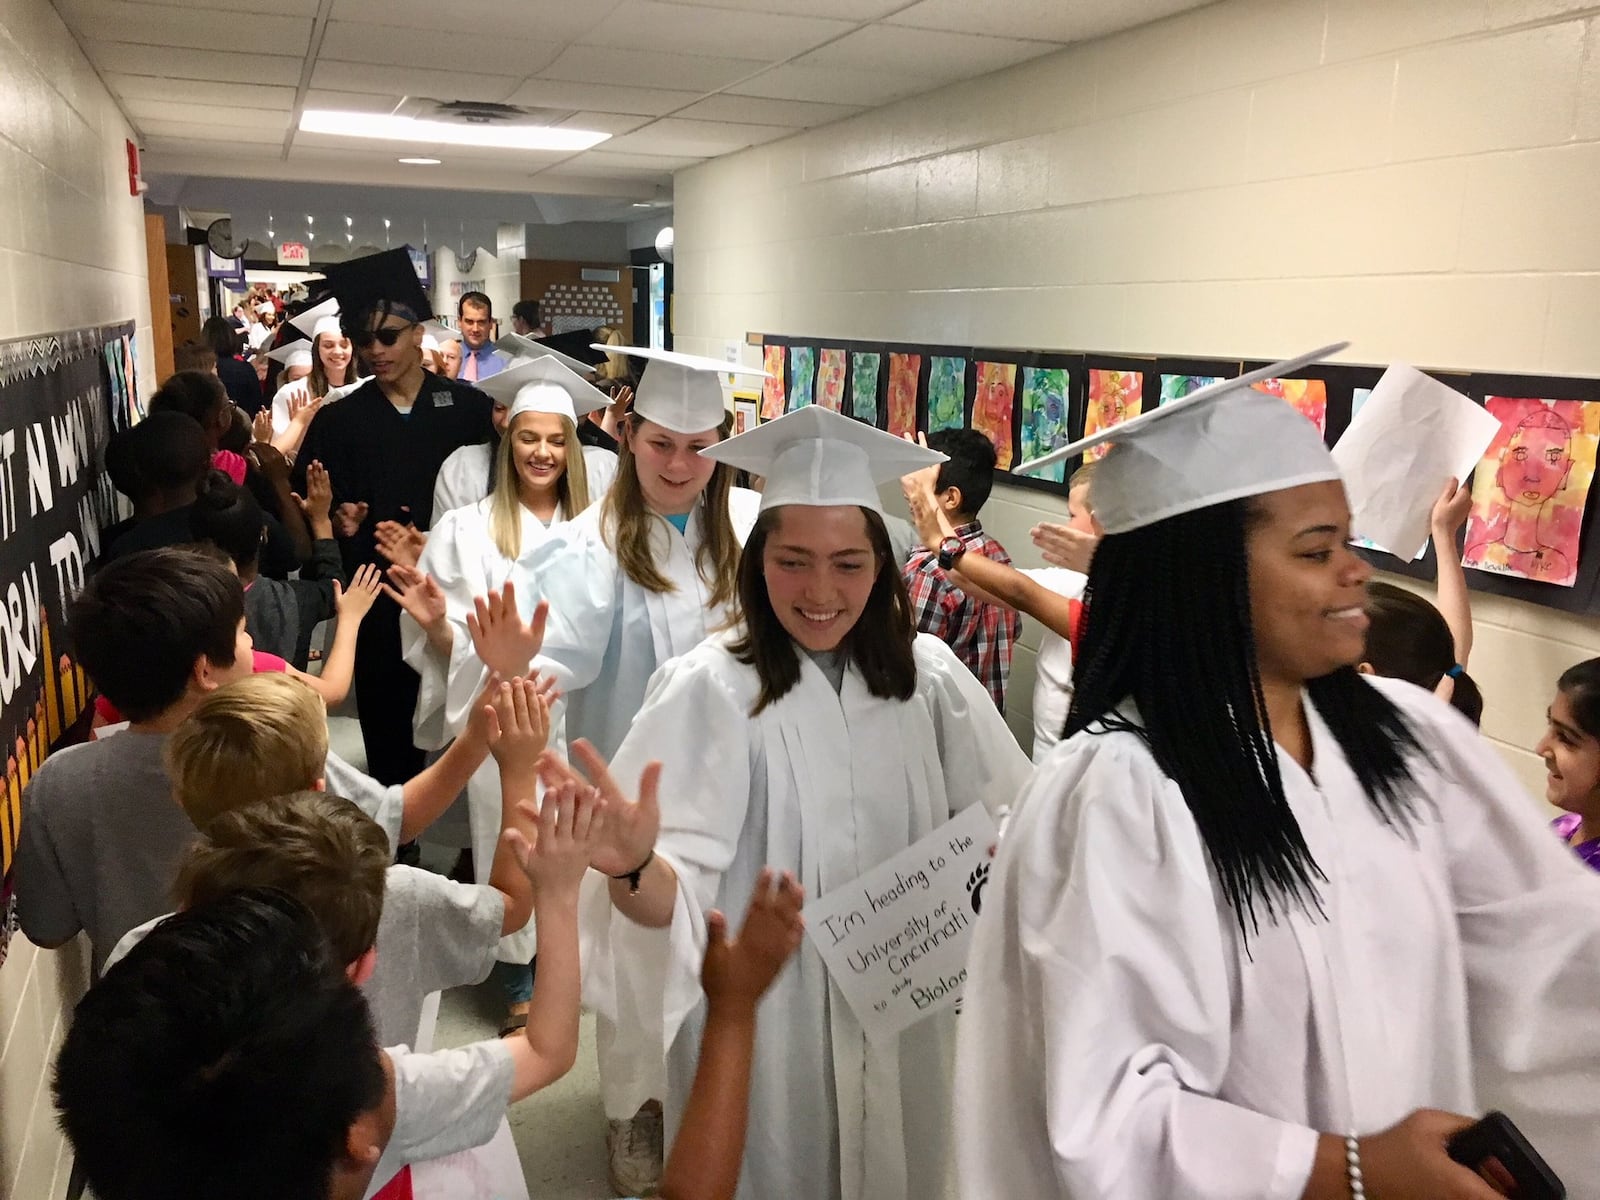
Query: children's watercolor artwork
[1114,397]
[802,375]
[1309,396]
[1176,387]
[991,407]
[903,372]
[947,393]
[772,392]
[1530,491]
[864,370]
[1044,417]
[830,379]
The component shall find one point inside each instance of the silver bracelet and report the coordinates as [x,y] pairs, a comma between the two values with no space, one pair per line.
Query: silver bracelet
[1352,1165]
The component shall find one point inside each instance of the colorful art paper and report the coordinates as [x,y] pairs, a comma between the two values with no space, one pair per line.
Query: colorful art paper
[1044,417]
[1176,387]
[1309,396]
[830,379]
[1114,397]
[991,407]
[903,372]
[744,416]
[802,375]
[864,370]
[1530,490]
[772,390]
[947,393]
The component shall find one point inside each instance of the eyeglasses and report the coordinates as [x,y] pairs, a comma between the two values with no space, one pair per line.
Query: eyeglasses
[386,336]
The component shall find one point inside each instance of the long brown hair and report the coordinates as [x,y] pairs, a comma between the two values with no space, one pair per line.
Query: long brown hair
[319,384]
[880,644]
[627,525]
[505,501]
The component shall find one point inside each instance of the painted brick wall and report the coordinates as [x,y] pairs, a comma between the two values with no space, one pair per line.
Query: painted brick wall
[71,254]
[1252,178]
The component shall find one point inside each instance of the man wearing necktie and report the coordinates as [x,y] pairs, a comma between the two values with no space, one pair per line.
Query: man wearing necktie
[479,359]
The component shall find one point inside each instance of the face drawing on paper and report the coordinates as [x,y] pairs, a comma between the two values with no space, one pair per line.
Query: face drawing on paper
[830,380]
[864,387]
[1044,417]
[1114,396]
[1531,488]
[772,389]
[991,407]
[903,372]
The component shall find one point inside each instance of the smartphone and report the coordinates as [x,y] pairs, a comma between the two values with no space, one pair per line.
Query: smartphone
[1507,1161]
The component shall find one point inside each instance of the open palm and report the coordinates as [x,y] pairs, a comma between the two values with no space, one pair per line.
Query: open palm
[632,825]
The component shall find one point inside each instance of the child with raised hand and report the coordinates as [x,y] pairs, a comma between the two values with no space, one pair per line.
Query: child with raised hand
[1571,752]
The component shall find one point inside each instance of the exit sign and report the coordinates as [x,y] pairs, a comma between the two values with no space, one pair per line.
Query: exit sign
[294,254]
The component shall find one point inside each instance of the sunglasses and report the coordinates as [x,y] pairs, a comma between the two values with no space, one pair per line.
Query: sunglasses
[387,336]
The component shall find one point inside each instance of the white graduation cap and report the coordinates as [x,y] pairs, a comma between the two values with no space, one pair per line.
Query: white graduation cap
[266,306]
[543,385]
[681,392]
[440,333]
[518,346]
[292,355]
[339,393]
[319,319]
[1224,442]
[817,457]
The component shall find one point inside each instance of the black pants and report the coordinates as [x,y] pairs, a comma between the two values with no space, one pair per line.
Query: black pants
[386,696]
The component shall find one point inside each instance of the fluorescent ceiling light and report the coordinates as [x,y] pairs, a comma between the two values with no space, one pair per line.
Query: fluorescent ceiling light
[420,162]
[409,129]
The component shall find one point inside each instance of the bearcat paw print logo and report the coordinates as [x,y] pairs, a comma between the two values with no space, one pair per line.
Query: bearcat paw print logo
[976,882]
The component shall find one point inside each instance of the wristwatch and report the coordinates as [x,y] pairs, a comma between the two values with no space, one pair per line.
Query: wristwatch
[950,551]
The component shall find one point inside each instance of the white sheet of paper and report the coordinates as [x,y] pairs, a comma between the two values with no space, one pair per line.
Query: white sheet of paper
[1411,436]
[895,940]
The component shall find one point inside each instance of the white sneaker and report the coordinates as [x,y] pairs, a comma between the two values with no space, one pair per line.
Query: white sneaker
[634,1152]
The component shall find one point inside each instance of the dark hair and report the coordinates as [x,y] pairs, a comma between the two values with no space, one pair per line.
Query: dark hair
[196,394]
[528,311]
[226,1055]
[1580,684]
[227,516]
[1167,625]
[141,622]
[880,644]
[971,465]
[477,300]
[1409,639]
[221,336]
[194,356]
[238,435]
[165,452]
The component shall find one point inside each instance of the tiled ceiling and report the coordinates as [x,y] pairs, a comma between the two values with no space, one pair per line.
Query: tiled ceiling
[216,87]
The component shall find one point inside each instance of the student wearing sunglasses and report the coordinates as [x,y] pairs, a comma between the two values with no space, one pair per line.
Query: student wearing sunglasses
[383,445]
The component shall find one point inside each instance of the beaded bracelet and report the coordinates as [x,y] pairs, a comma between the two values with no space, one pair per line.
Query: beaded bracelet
[1352,1160]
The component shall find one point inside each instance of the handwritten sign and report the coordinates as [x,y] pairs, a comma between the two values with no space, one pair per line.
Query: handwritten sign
[895,940]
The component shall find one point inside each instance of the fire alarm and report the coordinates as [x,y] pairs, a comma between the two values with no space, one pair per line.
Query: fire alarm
[136,185]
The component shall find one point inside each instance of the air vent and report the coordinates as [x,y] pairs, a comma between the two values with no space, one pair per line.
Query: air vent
[478,112]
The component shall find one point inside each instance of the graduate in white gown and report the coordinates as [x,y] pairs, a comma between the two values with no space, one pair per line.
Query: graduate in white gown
[465,476]
[820,736]
[1256,904]
[471,553]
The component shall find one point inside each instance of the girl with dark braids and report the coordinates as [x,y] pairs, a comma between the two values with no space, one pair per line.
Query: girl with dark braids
[1261,926]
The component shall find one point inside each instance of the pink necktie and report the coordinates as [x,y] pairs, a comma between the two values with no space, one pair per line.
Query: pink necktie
[469,371]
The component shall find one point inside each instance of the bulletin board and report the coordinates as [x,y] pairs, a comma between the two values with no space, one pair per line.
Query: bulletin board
[1031,402]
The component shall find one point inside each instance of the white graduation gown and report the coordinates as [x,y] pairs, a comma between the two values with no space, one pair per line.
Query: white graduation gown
[463,479]
[827,785]
[281,398]
[1116,1041]
[1052,681]
[462,556]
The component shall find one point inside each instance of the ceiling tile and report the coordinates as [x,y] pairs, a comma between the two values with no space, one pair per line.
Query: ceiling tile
[609,160]
[439,85]
[189,131]
[1048,20]
[287,8]
[194,91]
[924,52]
[689,29]
[600,97]
[179,112]
[840,85]
[548,21]
[676,137]
[195,27]
[171,62]
[612,123]
[847,10]
[679,72]
[363,102]
[756,110]
[458,50]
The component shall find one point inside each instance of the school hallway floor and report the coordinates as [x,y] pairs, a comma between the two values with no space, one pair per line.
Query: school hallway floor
[561,1131]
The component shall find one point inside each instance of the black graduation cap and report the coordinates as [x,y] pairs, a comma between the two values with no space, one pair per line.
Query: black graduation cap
[574,345]
[362,284]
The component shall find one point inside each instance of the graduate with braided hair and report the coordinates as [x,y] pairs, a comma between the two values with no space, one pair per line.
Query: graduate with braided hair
[1262,926]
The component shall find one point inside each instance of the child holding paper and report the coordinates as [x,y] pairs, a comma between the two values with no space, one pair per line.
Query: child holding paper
[820,736]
